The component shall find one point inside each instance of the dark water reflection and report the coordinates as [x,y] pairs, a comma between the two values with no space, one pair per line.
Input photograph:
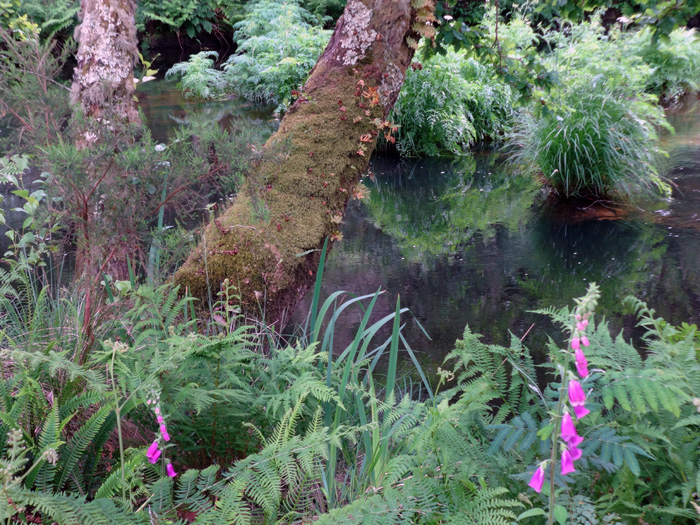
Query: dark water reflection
[466,242]
[166,109]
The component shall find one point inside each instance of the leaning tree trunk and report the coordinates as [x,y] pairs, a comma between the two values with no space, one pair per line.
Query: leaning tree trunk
[267,243]
[103,81]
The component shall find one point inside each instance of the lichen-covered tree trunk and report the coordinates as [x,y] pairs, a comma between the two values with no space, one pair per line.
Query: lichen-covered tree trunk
[267,244]
[103,81]
[103,92]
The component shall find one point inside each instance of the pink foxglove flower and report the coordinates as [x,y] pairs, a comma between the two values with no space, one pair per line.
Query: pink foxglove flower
[170,470]
[580,326]
[576,395]
[581,411]
[164,432]
[153,458]
[584,341]
[568,430]
[159,419]
[581,363]
[567,463]
[576,453]
[575,343]
[152,449]
[537,479]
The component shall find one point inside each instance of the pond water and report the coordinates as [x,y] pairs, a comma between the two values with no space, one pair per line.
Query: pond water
[468,241]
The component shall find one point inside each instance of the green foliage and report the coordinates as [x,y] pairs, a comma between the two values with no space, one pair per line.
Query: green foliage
[639,427]
[277,46]
[189,16]
[199,78]
[46,17]
[450,103]
[595,134]
[309,430]
[35,102]
[674,62]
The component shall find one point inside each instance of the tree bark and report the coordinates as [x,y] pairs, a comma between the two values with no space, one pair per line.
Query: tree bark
[267,244]
[103,80]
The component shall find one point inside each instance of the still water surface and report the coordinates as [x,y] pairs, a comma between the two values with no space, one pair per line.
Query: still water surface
[468,241]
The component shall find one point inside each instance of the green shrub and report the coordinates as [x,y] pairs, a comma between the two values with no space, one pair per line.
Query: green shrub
[675,63]
[191,16]
[48,16]
[594,143]
[198,77]
[449,104]
[277,47]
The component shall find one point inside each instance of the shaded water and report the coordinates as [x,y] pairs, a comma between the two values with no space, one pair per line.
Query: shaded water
[466,242]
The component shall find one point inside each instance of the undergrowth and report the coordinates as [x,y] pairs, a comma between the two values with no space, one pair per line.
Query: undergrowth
[261,429]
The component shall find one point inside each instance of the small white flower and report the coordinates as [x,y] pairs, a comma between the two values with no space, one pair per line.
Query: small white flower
[160,147]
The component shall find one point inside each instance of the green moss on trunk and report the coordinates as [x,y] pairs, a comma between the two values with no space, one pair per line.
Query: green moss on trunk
[309,168]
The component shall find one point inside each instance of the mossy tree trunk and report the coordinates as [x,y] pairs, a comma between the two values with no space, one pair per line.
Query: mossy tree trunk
[267,244]
[103,81]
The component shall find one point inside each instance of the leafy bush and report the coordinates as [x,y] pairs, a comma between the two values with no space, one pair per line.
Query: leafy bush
[675,63]
[191,16]
[277,47]
[198,76]
[595,133]
[49,17]
[448,104]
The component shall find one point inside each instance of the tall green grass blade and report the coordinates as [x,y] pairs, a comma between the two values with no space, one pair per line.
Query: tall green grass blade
[317,291]
[417,365]
[394,350]
[110,297]
[132,278]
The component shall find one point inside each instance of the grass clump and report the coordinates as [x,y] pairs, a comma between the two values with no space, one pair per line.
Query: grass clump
[595,133]
[448,104]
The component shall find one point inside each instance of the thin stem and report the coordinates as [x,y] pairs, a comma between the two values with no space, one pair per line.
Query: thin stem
[555,438]
[117,413]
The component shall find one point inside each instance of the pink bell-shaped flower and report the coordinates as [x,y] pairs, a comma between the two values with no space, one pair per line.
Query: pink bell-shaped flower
[164,432]
[576,453]
[152,449]
[581,363]
[584,341]
[577,397]
[581,411]
[170,471]
[575,343]
[537,479]
[153,458]
[567,463]
[568,430]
